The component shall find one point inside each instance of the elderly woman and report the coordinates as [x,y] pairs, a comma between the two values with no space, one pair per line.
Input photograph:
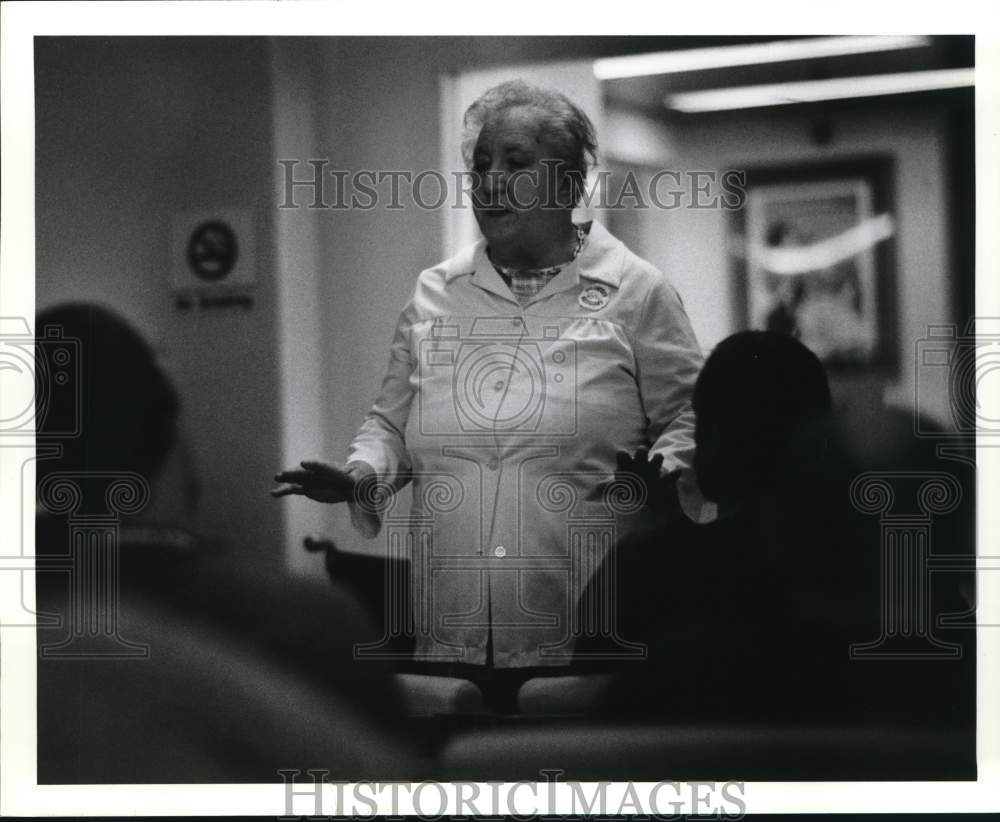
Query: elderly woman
[523,372]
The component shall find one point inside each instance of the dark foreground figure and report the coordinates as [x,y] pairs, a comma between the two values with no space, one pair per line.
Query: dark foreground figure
[754,616]
[163,658]
[747,622]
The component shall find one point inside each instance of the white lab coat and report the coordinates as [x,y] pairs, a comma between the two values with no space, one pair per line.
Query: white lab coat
[507,418]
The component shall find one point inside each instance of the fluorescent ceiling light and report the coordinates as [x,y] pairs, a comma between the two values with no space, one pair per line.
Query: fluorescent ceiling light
[811,91]
[776,51]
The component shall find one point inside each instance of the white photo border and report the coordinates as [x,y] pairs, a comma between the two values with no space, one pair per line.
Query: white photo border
[19,793]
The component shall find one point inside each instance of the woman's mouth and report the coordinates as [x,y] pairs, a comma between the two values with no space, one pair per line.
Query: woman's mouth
[495,212]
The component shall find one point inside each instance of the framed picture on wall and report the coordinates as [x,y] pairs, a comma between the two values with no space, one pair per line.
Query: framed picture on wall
[813,257]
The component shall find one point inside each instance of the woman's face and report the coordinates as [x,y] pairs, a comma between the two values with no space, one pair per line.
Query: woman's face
[518,195]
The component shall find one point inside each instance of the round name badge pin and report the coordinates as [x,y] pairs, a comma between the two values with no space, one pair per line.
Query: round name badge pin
[595,297]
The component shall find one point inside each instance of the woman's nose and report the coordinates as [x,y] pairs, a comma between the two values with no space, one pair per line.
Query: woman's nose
[492,185]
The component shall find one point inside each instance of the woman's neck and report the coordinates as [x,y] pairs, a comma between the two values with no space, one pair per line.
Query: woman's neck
[543,255]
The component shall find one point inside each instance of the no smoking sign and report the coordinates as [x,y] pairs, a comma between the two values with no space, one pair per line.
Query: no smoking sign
[213,250]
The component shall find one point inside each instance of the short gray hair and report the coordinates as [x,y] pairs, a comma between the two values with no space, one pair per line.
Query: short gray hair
[572,132]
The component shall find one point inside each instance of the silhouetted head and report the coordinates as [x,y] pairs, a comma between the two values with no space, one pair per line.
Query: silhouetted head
[761,405]
[116,395]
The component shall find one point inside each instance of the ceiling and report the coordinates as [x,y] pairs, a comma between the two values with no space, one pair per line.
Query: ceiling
[648,92]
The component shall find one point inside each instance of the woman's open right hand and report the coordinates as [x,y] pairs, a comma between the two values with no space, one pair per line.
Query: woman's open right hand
[318,481]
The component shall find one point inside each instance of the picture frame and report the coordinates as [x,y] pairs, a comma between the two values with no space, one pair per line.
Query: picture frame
[813,253]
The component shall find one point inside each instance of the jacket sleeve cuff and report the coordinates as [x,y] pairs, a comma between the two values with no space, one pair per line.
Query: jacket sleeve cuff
[695,507]
[366,522]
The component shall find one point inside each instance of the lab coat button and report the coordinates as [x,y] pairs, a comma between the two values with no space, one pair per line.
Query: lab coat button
[493,464]
[499,385]
[500,552]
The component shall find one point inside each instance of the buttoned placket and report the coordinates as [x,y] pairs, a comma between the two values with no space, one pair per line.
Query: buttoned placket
[491,551]
[566,279]
[501,542]
[495,464]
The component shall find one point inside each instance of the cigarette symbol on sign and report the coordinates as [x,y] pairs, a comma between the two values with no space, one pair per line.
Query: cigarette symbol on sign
[212,250]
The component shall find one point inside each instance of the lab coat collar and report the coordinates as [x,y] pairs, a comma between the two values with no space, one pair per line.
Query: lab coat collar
[486,277]
[601,259]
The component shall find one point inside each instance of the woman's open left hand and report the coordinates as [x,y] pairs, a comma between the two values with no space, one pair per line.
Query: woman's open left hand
[316,480]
